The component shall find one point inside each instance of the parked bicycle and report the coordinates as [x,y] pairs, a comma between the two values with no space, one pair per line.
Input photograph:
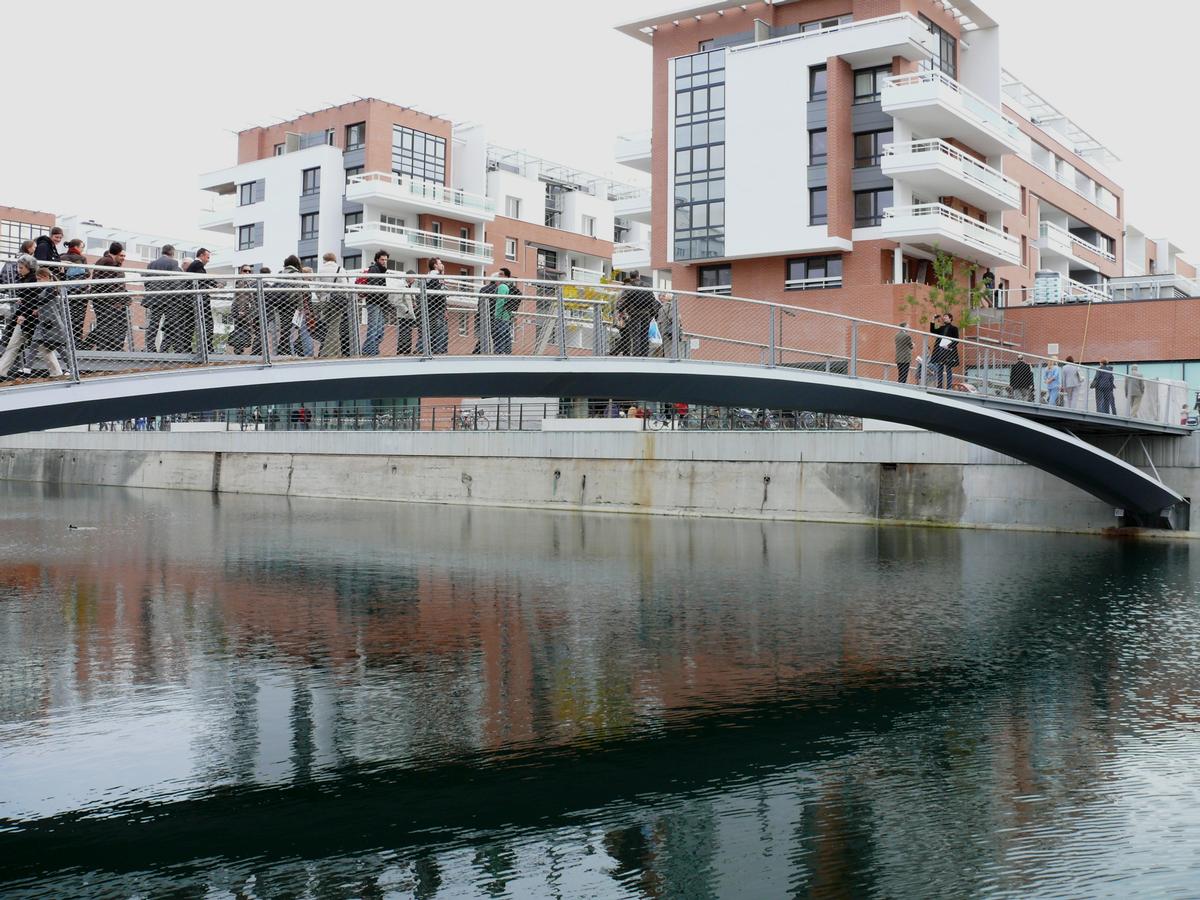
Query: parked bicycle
[470,420]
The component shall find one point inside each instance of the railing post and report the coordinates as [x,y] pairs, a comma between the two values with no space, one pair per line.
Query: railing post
[352,318]
[853,349]
[423,299]
[599,336]
[198,308]
[484,307]
[773,342]
[71,359]
[562,323]
[264,337]
[676,328]
[925,363]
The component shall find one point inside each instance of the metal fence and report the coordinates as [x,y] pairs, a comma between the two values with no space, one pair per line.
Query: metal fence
[124,320]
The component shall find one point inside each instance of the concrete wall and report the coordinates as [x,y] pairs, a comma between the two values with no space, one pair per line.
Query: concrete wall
[852,477]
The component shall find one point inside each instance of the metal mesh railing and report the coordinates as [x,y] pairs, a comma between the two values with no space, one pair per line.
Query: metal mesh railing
[81,322]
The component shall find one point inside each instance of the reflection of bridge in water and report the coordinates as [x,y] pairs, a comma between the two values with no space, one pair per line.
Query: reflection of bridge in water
[467,337]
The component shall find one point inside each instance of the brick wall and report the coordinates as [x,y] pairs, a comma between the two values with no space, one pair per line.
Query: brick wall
[1136,331]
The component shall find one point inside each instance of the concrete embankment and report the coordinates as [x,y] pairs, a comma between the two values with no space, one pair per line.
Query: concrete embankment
[904,476]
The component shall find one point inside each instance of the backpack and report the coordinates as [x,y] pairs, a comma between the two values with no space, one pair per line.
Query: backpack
[513,301]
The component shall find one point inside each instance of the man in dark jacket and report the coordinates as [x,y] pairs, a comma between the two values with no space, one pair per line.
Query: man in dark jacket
[203,285]
[1020,380]
[637,307]
[110,302]
[435,294]
[376,302]
[46,247]
[1104,382]
[159,301]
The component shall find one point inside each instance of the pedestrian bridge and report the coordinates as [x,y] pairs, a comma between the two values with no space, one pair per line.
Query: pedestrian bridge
[558,340]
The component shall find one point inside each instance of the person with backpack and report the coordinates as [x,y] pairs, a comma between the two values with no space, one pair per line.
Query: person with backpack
[638,306]
[504,307]
[77,298]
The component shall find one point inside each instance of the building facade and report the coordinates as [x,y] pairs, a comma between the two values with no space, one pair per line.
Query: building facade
[370,175]
[825,150]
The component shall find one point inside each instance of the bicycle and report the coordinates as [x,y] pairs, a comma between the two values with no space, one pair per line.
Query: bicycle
[469,420]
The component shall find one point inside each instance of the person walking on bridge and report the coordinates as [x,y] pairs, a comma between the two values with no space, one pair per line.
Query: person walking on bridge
[1104,383]
[1020,380]
[376,302]
[1074,393]
[904,349]
[110,302]
[25,301]
[1135,390]
[157,303]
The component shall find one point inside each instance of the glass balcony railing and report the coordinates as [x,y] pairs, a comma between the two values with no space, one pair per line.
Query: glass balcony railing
[407,187]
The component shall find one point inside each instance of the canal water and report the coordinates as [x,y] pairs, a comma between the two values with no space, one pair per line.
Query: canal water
[258,697]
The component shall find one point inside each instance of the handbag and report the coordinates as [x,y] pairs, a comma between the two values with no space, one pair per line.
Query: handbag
[654,334]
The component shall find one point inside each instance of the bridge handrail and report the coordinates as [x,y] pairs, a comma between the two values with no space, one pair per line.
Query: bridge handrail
[580,308]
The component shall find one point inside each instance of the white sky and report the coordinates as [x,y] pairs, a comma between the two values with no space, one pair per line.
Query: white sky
[159,93]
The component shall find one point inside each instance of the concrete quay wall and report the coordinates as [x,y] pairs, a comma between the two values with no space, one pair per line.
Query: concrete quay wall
[896,477]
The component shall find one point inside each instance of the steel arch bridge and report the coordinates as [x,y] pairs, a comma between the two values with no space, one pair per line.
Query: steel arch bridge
[43,406]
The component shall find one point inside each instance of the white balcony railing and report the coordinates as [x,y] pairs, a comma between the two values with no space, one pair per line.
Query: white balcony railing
[848,26]
[415,239]
[1057,235]
[405,187]
[969,104]
[938,153]
[937,219]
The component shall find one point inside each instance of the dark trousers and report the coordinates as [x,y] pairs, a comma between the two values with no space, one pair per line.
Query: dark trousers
[78,306]
[638,328]
[902,372]
[112,324]
[405,329]
[1105,403]
[439,333]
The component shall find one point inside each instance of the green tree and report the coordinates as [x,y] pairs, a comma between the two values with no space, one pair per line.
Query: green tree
[949,293]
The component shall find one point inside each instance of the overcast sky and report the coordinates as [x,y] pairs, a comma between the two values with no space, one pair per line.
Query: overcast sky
[154,100]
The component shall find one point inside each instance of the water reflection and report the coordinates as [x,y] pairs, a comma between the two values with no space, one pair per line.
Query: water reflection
[277,698]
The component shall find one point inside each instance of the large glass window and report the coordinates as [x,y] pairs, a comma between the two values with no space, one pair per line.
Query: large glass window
[245,237]
[818,147]
[246,193]
[356,136]
[13,234]
[352,171]
[418,154]
[868,83]
[869,207]
[868,147]
[311,181]
[818,206]
[945,50]
[699,182]
[809,273]
[715,280]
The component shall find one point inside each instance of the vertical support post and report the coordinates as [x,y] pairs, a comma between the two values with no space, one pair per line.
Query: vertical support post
[485,302]
[562,323]
[423,299]
[853,349]
[198,311]
[264,336]
[676,328]
[925,363]
[599,336]
[773,341]
[71,359]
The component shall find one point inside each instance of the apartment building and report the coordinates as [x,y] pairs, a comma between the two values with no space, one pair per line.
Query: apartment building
[371,175]
[833,146]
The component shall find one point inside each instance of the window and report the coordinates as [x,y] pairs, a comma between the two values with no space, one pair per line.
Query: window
[716,280]
[868,148]
[330,136]
[699,175]
[354,218]
[869,82]
[589,226]
[250,236]
[818,83]
[818,147]
[510,249]
[819,24]
[945,50]
[310,182]
[1025,251]
[246,193]
[280,149]
[391,221]
[14,233]
[308,226]
[512,207]
[352,262]
[464,235]
[308,262]
[418,154]
[435,227]
[809,273]
[352,171]
[869,207]
[356,136]
[818,206]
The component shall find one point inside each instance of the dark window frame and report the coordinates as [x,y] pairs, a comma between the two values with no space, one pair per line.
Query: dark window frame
[351,218]
[877,74]
[821,158]
[876,155]
[814,217]
[310,226]
[813,73]
[310,182]
[246,193]
[810,263]
[356,136]
[946,48]
[722,282]
[877,207]
[351,171]
[245,237]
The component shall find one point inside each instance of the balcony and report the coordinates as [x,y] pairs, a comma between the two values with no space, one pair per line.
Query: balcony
[403,193]
[397,238]
[219,216]
[1054,241]
[628,257]
[936,226]
[936,105]
[633,150]
[865,42]
[634,206]
[934,168]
